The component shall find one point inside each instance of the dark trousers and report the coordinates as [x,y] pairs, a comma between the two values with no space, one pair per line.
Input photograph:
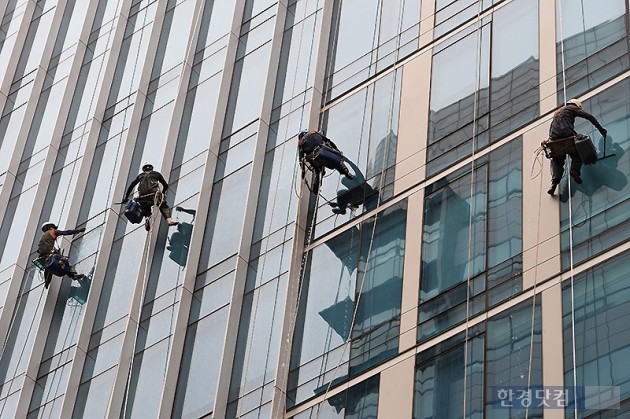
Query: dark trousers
[150,198]
[557,166]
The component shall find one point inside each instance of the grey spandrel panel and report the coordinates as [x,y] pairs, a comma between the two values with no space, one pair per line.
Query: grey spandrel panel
[93,396]
[225,221]
[146,382]
[199,371]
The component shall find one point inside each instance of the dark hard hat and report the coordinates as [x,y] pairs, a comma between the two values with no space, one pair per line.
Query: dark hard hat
[48,225]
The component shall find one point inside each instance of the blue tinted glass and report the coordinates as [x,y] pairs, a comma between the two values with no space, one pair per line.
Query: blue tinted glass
[513,357]
[453,249]
[333,283]
[594,42]
[440,385]
[600,204]
[601,322]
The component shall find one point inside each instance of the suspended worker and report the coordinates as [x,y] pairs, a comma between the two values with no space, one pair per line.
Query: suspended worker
[319,152]
[53,261]
[149,193]
[562,127]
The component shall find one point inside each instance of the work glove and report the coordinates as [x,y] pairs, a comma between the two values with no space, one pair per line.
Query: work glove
[603,132]
[81,230]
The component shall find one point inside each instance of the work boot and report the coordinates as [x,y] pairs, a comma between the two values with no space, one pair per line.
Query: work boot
[147,224]
[171,222]
[552,189]
[77,277]
[340,211]
[576,176]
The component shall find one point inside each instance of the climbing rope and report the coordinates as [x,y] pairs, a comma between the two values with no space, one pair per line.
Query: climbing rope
[573,344]
[374,226]
[471,213]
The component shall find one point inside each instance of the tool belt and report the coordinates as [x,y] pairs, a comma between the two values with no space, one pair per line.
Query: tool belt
[560,147]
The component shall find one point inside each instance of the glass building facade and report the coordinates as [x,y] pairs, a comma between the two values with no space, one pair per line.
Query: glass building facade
[447,283]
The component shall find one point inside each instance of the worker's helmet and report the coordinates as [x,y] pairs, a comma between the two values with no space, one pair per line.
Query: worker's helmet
[575,102]
[303,133]
[147,167]
[48,225]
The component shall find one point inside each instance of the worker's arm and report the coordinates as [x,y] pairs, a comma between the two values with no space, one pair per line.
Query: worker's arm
[69,232]
[583,114]
[131,186]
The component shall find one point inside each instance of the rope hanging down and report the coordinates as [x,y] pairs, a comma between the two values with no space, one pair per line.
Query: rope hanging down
[564,91]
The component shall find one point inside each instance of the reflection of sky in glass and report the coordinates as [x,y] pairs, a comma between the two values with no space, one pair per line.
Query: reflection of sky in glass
[514,36]
[583,15]
[454,73]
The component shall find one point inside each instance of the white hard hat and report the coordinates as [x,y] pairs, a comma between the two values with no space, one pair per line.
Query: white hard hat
[147,167]
[575,102]
[47,225]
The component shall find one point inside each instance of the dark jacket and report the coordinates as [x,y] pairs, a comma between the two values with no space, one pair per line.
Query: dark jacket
[311,141]
[563,123]
[154,176]
[47,243]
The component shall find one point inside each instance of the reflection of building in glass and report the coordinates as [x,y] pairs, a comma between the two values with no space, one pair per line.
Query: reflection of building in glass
[445,278]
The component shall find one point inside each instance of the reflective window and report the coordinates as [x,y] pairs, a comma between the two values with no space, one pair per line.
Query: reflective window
[248,82]
[366,38]
[359,401]
[595,44]
[502,352]
[472,238]
[446,375]
[225,218]
[601,204]
[481,87]
[199,370]
[364,127]
[255,358]
[600,319]
[513,357]
[337,287]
